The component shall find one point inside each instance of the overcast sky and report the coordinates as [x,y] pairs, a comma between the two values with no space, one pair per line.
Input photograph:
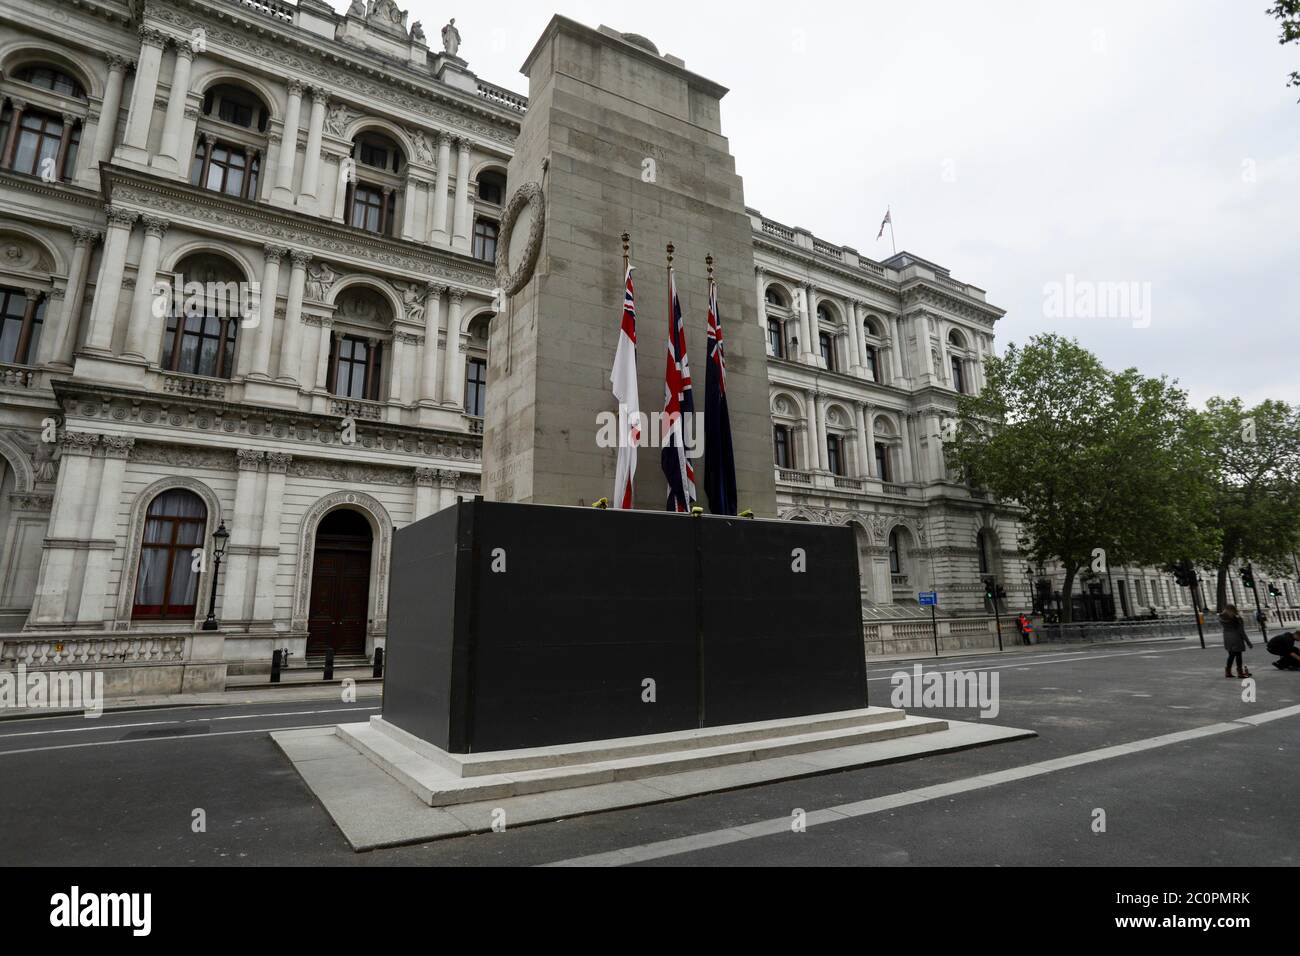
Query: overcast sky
[1018,142]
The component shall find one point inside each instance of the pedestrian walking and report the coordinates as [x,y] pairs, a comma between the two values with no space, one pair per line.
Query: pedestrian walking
[1235,640]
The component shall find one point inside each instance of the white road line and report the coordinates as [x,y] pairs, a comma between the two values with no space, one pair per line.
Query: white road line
[893,801]
[1020,664]
[1013,657]
[150,740]
[190,720]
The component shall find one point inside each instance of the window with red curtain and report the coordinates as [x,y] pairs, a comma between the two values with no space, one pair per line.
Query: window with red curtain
[166,587]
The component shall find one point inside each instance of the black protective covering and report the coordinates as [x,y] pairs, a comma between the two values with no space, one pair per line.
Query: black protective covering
[515,626]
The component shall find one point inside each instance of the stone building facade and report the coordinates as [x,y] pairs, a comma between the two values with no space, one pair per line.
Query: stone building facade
[319,193]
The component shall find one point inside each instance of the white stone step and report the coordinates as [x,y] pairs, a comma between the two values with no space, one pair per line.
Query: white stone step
[437,785]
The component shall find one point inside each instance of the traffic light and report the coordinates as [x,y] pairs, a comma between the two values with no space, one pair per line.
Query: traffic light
[1273,591]
[1248,576]
[1184,574]
[990,588]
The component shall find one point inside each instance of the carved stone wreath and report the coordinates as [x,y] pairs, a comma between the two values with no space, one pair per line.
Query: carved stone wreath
[529,194]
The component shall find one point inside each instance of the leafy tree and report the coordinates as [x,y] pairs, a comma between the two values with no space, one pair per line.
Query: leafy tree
[1099,462]
[1287,13]
[1256,487]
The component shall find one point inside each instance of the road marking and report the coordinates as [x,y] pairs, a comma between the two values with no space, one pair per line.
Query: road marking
[1014,657]
[150,740]
[893,801]
[190,720]
[1019,666]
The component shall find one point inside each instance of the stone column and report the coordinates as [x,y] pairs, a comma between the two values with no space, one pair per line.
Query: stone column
[866,439]
[55,303]
[760,277]
[282,192]
[323,354]
[135,142]
[857,350]
[261,365]
[106,130]
[53,604]
[277,465]
[896,349]
[461,224]
[813,456]
[439,234]
[397,366]
[945,364]
[291,340]
[108,287]
[240,561]
[408,207]
[103,530]
[923,344]
[905,452]
[807,323]
[143,321]
[311,161]
[426,495]
[169,153]
[66,342]
[447,481]
[454,372]
[823,454]
[432,323]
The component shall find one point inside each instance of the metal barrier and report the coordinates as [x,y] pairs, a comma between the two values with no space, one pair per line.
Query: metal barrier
[1091,632]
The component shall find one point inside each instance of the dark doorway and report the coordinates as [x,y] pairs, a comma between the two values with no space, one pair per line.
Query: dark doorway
[340,584]
[1123,599]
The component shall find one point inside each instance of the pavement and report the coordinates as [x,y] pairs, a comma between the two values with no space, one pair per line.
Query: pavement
[1145,755]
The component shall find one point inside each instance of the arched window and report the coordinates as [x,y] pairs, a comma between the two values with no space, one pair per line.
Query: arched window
[204,321]
[40,142]
[491,187]
[356,360]
[50,77]
[873,364]
[775,338]
[231,147]
[982,546]
[372,200]
[167,583]
[773,297]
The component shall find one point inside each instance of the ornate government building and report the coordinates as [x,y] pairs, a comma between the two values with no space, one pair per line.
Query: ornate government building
[246,276]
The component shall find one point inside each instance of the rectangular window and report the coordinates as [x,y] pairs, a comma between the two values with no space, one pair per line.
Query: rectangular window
[827,343]
[236,113]
[958,376]
[206,345]
[475,387]
[834,454]
[882,463]
[485,240]
[872,369]
[775,338]
[357,368]
[39,137]
[369,211]
[21,322]
[781,444]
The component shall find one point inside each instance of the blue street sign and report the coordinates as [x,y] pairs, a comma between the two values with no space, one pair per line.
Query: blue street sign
[929,598]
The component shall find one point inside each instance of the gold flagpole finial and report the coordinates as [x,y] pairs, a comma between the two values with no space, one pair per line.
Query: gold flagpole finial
[627,255]
[708,261]
[671,249]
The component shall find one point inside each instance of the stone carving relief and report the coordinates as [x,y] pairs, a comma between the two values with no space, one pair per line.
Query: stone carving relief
[320,279]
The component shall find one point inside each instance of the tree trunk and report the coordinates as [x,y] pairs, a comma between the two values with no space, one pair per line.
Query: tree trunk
[1067,594]
[1221,592]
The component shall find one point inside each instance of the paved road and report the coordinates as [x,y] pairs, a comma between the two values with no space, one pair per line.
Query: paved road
[122,790]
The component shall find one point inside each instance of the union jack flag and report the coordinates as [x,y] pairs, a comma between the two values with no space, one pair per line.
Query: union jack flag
[679,404]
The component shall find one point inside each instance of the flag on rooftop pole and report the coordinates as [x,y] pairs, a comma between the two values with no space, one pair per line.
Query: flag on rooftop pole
[679,405]
[719,456]
[887,221]
[623,380]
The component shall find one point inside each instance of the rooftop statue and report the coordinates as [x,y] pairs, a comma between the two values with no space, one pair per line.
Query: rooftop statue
[451,38]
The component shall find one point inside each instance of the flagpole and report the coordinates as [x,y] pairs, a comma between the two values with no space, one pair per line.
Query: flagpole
[627,258]
[893,241]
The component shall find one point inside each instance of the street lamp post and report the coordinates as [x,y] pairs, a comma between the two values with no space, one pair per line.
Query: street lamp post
[220,538]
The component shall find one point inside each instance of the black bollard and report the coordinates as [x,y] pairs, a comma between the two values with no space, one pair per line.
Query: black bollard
[379,663]
[329,663]
[275,667]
